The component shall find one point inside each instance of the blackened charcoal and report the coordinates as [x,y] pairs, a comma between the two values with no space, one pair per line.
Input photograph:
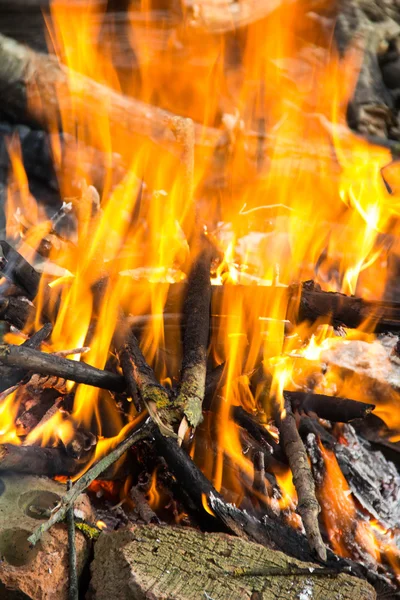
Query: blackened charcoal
[36,152]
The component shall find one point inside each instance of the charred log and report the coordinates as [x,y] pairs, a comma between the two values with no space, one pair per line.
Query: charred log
[10,376]
[50,364]
[19,271]
[36,460]
[306,301]
[52,93]
[16,311]
[331,408]
[196,322]
[309,303]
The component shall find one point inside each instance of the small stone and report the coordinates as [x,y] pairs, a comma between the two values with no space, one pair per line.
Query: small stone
[39,572]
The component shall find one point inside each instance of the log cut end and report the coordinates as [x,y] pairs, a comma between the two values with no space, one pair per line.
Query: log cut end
[181,563]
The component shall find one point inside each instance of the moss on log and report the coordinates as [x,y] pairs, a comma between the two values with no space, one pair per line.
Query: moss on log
[165,563]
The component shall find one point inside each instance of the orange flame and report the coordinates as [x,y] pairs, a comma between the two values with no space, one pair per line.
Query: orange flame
[298,196]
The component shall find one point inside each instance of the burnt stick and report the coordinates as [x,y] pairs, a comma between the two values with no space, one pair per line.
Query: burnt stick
[331,408]
[19,271]
[305,301]
[50,364]
[36,460]
[308,302]
[141,379]
[303,304]
[9,376]
[196,322]
[308,506]
[258,432]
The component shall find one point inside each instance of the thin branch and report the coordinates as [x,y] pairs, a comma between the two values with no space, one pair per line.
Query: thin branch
[308,506]
[141,379]
[196,312]
[83,482]
[73,591]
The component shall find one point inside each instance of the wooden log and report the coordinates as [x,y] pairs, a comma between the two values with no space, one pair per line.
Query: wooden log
[308,506]
[370,475]
[331,408]
[50,364]
[36,460]
[207,565]
[271,533]
[346,526]
[305,301]
[9,376]
[52,90]
[222,16]
[309,302]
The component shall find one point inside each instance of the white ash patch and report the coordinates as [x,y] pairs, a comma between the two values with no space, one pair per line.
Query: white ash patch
[372,359]
[307,593]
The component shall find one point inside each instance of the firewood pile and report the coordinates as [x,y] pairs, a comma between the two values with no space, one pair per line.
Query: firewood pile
[199,259]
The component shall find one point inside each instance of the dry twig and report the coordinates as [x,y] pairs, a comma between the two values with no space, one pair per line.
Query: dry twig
[73,591]
[308,506]
[83,482]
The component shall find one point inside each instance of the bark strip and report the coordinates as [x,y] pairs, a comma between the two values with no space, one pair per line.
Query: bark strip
[308,506]
[50,364]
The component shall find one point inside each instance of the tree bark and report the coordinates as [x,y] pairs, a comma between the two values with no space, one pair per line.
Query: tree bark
[184,564]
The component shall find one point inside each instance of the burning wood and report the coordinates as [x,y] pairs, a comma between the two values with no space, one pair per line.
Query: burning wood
[45,78]
[36,460]
[337,410]
[28,359]
[308,506]
[10,376]
[16,311]
[240,363]
[19,271]
[196,321]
